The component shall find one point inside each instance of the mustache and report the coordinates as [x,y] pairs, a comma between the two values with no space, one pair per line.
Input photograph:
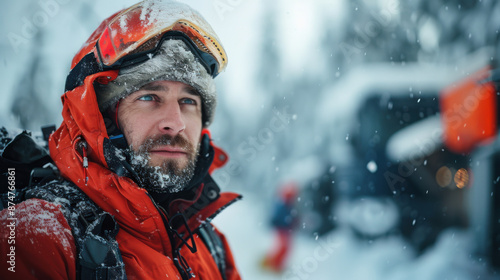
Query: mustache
[167,140]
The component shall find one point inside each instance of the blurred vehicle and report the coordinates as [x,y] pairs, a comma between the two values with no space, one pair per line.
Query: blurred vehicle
[407,175]
[470,119]
[393,173]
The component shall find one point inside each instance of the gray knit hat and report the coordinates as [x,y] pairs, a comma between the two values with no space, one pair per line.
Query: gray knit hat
[173,62]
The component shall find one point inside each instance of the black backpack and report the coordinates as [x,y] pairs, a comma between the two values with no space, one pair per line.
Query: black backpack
[27,171]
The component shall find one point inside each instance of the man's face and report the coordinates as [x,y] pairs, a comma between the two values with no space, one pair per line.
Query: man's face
[162,124]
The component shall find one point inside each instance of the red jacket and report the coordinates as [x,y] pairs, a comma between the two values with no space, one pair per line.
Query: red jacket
[44,246]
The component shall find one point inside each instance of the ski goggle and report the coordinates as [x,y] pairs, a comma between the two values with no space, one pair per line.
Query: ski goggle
[136,34]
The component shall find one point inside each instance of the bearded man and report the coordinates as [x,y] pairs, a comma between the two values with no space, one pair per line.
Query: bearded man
[134,147]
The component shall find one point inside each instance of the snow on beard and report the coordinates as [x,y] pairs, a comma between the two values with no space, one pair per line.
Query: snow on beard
[169,176]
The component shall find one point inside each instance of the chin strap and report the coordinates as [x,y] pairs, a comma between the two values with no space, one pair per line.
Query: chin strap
[119,141]
[114,131]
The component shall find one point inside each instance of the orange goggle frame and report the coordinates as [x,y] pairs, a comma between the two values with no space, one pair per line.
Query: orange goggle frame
[116,51]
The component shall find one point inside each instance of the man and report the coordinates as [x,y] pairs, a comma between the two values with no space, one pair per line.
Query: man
[138,101]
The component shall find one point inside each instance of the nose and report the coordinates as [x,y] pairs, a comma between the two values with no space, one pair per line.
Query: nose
[171,121]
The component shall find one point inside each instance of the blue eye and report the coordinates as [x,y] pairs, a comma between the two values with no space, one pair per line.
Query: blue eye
[146,97]
[188,101]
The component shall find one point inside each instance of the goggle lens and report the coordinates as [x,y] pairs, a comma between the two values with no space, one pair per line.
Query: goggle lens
[128,35]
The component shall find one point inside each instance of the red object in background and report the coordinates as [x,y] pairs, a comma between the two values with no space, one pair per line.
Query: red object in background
[469,112]
[275,260]
[284,221]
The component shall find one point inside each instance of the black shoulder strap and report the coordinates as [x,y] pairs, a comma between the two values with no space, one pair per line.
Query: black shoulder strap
[215,246]
[93,229]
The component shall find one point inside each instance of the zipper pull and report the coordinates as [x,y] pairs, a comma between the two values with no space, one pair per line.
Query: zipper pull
[85,162]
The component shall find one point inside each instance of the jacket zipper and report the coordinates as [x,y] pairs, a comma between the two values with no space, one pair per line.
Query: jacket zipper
[186,273]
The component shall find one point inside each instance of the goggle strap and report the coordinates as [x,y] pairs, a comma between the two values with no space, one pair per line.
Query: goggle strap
[86,66]
[202,57]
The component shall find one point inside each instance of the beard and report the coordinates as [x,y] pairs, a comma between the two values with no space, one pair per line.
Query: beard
[169,176]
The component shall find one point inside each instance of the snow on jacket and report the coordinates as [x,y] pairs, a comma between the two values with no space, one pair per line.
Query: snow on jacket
[44,246]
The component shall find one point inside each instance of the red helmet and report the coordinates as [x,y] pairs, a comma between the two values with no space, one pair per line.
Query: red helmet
[134,34]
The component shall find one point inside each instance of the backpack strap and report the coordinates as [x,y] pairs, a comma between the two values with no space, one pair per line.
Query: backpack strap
[215,246]
[93,229]
[101,259]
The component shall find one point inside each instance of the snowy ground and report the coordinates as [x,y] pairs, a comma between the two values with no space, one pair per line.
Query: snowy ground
[340,255]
